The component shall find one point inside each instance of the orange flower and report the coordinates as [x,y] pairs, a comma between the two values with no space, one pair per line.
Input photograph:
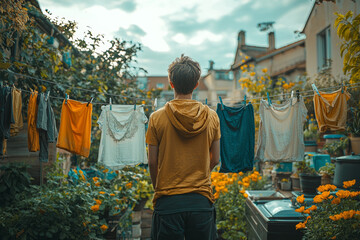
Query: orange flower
[241,173]
[128,185]
[318,199]
[95,208]
[252,74]
[349,183]
[101,192]
[95,179]
[334,237]
[300,210]
[300,199]
[88,184]
[98,202]
[325,194]
[300,225]
[264,70]
[104,227]
[105,170]
[111,194]
[343,193]
[245,195]
[97,184]
[312,208]
[335,201]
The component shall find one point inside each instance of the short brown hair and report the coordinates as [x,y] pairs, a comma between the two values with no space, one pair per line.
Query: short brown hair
[184,73]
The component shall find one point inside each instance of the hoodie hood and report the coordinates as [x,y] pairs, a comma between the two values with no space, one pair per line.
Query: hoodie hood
[189,117]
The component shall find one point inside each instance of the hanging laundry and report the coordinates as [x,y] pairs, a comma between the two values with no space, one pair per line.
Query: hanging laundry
[331,110]
[17,112]
[122,136]
[33,132]
[75,127]
[281,136]
[46,125]
[6,116]
[237,141]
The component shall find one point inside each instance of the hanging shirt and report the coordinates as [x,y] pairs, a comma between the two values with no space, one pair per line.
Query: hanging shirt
[17,112]
[75,127]
[184,131]
[6,117]
[238,137]
[46,125]
[281,136]
[331,110]
[33,132]
[122,136]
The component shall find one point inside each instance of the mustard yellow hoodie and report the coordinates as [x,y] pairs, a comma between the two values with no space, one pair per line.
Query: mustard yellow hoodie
[183,131]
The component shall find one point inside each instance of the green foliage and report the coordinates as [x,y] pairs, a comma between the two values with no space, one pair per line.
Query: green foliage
[304,166]
[328,169]
[311,132]
[348,27]
[14,180]
[354,123]
[336,148]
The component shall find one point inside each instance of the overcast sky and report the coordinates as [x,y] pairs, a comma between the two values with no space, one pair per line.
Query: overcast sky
[204,30]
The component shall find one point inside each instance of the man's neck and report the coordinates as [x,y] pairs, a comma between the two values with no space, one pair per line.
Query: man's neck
[182,96]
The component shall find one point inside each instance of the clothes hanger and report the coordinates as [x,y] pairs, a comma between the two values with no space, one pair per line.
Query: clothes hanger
[245,99]
[110,104]
[298,95]
[66,98]
[205,101]
[91,99]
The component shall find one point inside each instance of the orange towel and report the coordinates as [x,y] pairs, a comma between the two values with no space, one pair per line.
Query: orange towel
[331,110]
[33,132]
[75,127]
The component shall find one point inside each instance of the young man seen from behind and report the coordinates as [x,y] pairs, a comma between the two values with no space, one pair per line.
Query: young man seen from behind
[184,146]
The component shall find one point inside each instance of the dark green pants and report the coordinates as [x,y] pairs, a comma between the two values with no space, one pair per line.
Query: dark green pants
[190,216]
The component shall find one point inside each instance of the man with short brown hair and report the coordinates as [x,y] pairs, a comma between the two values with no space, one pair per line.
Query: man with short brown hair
[184,146]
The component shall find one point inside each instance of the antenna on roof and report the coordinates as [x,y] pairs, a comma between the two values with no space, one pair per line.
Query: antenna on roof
[264,26]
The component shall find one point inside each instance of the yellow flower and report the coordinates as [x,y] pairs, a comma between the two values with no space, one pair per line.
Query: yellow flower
[111,194]
[300,199]
[246,57]
[252,74]
[95,208]
[101,192]
[264,70]
[104,227]
[243,60]
[245,195]
[105,170]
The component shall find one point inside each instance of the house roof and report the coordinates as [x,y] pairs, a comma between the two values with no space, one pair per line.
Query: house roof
[298,65]
[307,20]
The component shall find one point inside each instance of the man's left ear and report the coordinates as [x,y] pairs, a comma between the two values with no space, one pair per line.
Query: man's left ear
[197,84]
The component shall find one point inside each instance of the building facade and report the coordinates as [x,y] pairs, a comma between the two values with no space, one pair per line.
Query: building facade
[322,42]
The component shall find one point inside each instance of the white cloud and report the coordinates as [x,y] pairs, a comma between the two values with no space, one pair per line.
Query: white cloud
[179,38]
[204,35]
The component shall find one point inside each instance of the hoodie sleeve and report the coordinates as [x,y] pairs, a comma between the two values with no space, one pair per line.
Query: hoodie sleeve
[217,132]
[151,134]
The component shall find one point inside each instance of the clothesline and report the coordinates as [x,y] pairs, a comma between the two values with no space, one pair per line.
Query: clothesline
[141,99]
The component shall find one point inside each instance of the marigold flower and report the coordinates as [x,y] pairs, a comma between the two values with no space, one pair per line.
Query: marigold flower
[97,184]
[252,74]
[300,199]
[242,191]
[105,170]
[104,227]
[348,184]
[241,173]
[95,179]
[318,199]
[264,70]
[335,201]
[88,184]
[300,210]
[334,237]
[111,194]
[245,195]
[75,171]
[101,192]
[128,185]
[312,208]
[325,194]
[343,193]
[300,225]
[95,208]
[98,201]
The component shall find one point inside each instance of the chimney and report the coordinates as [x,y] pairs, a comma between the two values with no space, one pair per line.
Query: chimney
[241,38]
[271,38]
[211,67]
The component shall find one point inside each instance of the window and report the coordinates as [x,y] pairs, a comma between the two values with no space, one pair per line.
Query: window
[160,85]
[224,75]
[324,49]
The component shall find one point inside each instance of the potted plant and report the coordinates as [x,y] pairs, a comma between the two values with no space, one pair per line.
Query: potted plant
[311,135]
[336,148]
[285,184]
[354,129]
[309,178]
[327,173]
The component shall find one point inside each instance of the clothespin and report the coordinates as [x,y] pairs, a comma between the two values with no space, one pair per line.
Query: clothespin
[268,97]
[91,99]
[245,98]
[292,94]
[315,89]
[155,103]
[110,104]
[222,105]
[66,98]
[206,101]
[298,95]
[47,95]
[342,87]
